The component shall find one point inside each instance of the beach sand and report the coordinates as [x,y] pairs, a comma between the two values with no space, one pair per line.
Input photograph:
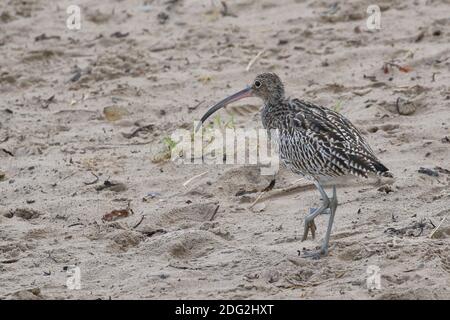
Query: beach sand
[156,66]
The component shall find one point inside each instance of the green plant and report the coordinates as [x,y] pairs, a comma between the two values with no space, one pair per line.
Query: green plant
[219,124]
[170,144]
[337,107]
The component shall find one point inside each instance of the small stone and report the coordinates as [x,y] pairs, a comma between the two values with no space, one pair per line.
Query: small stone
[386,189]
[405,107]
[437,33]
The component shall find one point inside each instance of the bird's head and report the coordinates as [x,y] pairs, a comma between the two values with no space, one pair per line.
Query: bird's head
[266,86]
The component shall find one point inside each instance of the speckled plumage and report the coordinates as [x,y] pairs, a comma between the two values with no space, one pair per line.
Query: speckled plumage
[317,142]
[313,141]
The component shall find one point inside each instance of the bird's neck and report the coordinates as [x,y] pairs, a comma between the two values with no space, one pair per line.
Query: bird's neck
[272,112]
[274,99]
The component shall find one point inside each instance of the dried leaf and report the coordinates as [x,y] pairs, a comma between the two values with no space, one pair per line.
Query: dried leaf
[116,215]
[405,69]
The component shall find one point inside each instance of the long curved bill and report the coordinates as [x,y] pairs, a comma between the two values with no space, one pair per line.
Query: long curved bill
[247,92]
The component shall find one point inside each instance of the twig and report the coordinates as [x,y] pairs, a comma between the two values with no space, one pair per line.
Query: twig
[196,106]
[263,191]
[5,139]
[224,10]
[295,187]
[183,267]
[140,221]
[250,64]
[46,102]
[152,232]
[439,225]
[8,152]
[396,104]
[93,182]
[75,224]
[135,132]
[270,186]
[163,48]
[14,260]
[257,198]
[193,178]
[69,176]
[432,223]
[214,213]
[280,191]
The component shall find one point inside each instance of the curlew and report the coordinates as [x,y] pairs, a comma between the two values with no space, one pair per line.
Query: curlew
[315,142]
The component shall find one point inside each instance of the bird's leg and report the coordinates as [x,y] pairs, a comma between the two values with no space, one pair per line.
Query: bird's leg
[313,213]
[333,206]
[330,204]
[325,199]
[326,211]
[309,222]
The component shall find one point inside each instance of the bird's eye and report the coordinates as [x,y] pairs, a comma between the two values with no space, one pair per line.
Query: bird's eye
[257,84]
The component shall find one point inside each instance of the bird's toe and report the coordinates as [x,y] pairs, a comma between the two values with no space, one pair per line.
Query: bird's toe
[312,254]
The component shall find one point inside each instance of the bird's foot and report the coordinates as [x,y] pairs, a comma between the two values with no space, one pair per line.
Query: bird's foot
[326,211]
[313,254]
[311,225]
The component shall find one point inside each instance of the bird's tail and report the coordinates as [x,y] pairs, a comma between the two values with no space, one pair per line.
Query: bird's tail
[382,170]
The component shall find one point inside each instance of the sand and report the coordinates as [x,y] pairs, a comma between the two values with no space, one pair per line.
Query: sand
[158,65]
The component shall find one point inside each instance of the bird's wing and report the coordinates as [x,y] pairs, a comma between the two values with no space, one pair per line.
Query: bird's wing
[334,137]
